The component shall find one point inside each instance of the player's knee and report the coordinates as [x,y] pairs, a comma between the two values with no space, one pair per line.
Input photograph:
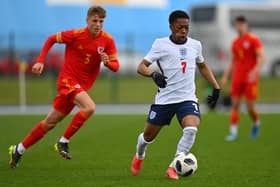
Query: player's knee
[89,110]
[251,111]
[148,137]
[50,122]
[49,126]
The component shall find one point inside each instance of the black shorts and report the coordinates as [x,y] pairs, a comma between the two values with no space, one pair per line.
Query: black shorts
[163,114]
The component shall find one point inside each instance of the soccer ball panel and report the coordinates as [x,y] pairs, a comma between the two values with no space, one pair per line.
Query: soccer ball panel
[185,165]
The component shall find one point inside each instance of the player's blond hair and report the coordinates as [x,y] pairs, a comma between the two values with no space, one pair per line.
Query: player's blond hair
[99,10]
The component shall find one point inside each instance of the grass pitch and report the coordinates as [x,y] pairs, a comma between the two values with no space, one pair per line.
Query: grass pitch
[117,89]
[103,149]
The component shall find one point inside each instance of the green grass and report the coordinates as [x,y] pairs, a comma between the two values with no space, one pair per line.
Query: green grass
[135,89]
[103,149]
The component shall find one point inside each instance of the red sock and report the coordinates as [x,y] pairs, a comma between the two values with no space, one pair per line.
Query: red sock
[76,123]
[234,117]
[254,116]
[35,135]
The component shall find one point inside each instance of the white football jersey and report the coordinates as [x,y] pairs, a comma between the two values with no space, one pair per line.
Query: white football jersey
[177,62]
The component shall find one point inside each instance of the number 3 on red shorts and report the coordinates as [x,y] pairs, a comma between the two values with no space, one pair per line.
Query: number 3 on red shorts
[184,66]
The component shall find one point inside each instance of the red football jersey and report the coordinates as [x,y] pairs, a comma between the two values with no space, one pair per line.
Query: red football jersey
[82,58]
[82,54]
[244,55]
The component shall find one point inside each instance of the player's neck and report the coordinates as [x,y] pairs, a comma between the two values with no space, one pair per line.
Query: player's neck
[94,35]
[176,41]
[242,34]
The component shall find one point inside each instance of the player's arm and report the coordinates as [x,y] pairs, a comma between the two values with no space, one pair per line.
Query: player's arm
[226,74]
[153,55]
[60,37]
[144,70]
[109,56]
[110,61]
[209,76]
[39,65]
[260,62]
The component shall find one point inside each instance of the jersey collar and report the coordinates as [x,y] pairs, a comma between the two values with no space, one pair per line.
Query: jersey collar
[177,43]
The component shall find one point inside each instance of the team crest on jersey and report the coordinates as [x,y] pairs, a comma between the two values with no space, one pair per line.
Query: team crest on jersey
[100,49]
[77,86]
[183,53]
[246,44]
[152,115]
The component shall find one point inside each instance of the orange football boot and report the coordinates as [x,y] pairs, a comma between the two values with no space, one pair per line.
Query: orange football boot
[136,166]
[171,173]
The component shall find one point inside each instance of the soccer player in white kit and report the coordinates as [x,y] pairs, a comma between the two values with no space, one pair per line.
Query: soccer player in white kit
[177,57]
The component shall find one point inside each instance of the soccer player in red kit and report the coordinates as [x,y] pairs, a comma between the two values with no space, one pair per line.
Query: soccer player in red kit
[86,49]
[247,58]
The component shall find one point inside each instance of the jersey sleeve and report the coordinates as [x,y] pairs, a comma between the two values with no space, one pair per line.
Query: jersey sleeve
[111,48]
[199,58]
[257,43]
[155,52]
[65,36]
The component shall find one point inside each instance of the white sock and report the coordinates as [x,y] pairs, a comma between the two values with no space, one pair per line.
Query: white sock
[233,129]
[187,140]
[257,123]
[141,147]
[20,148]
[63,140]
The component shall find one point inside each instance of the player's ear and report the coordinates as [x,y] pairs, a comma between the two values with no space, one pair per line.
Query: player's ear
[171,26]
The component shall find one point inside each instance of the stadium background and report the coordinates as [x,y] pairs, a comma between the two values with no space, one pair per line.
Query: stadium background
[134,25]
[103,148]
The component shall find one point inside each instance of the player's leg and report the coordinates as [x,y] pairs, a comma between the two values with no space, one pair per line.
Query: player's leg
[251,96]
[189,125]
[144,139]
[34,136]
[234,118]
[87,107]
[254,115]
[188,114]
[236,92]
[159,115]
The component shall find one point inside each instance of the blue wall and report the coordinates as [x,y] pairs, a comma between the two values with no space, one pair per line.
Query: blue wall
[33,20]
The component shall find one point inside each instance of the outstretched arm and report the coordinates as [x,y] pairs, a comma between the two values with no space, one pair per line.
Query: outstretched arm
[208,75]
[39,65]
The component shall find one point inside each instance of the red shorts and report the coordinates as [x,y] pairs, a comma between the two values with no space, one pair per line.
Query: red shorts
[249,90]
[67,90]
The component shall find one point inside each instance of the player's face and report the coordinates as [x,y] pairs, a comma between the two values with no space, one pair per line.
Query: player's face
[180,29]
[95,24]
[241,27]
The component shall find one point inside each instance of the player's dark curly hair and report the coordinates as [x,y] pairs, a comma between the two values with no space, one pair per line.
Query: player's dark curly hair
[99,10]
[177,14]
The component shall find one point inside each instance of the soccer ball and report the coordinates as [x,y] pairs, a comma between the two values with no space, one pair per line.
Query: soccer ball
[185,165]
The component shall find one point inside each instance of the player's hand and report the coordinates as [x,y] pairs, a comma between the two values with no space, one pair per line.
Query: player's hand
[252,76]
[212,99]
[159,79]
[104,58]
[37,68]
